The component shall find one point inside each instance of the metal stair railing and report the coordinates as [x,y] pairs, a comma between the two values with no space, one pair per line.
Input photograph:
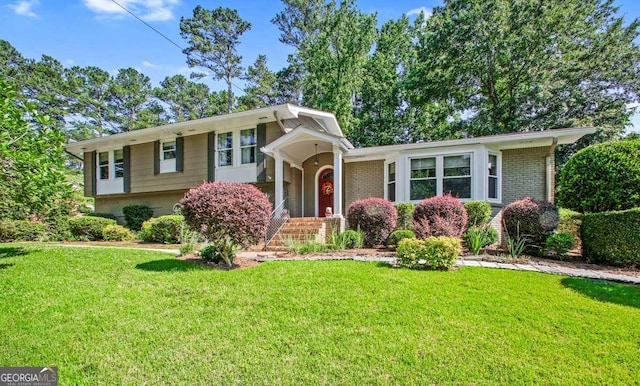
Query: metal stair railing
[279,217]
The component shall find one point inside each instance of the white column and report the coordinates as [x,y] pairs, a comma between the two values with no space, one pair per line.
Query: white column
[278,179]
[337,180]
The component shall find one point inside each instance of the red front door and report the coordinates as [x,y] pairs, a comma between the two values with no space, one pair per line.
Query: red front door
[325,192]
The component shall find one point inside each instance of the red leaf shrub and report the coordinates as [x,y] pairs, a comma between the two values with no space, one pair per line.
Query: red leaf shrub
[537,220]
[375,217]
[218,209]
[439,216]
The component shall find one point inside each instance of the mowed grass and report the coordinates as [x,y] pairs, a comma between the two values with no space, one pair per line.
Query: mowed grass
[108,316]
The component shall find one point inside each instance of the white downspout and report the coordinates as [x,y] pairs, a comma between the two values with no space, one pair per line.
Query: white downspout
[550,170]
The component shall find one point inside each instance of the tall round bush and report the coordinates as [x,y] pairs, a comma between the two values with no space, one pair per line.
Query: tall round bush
[231,210]
[535,220]
[439,216]
[602,177]
[375,217]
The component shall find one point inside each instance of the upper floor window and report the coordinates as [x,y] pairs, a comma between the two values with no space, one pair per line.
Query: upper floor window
[225,149]
[168,150]
[118,163]
[248,146]
[168,156]
[103,165]
[391,181]
[110,164]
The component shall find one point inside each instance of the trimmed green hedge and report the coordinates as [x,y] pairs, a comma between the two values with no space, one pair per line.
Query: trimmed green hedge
[612,237]
[87,227]
[21,230]
[438,252]
[163,229]
[570,222]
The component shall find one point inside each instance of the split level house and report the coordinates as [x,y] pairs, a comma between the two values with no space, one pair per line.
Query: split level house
[300,158]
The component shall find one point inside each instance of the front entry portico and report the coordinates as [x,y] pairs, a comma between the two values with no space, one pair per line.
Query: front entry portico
[318,155]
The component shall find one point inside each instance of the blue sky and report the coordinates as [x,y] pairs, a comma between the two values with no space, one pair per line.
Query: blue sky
[99,33]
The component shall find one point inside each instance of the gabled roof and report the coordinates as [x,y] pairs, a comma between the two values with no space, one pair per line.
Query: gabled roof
[285,112]
[298,144]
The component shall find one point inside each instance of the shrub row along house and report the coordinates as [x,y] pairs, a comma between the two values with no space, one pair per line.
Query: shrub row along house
[300,158]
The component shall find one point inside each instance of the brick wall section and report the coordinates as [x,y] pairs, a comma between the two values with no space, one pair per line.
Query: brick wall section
[363,180]
[524,174]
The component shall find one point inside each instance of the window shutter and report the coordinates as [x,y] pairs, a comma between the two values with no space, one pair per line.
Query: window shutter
[156,157]
[90,174]
[179,154]
[211,156]
[126,153]
[261,141]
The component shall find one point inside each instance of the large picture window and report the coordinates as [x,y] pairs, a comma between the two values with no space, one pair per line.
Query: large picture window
[440,174]
[225,149]
[423,182]
[456,178]
[248,146]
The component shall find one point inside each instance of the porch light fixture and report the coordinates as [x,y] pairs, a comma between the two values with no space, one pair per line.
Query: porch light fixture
[315,161]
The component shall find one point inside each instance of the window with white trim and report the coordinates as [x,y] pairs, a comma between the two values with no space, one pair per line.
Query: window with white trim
[118,163]
[441,174]
[103,165]
[168,156]
[456,179]
[248,146]
[423,180]
[391,181]
[492,184]
[225,149]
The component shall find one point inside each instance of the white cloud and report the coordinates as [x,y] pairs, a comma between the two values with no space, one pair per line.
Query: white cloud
[148,10]
[24,7]
[416,11]
[147,64]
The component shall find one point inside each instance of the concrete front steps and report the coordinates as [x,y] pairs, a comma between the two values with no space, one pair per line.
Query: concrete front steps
[298,229]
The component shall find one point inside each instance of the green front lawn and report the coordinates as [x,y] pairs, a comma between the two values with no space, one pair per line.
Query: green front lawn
[133,317]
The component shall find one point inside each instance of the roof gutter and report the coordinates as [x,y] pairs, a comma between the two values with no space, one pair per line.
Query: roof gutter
[275,115]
